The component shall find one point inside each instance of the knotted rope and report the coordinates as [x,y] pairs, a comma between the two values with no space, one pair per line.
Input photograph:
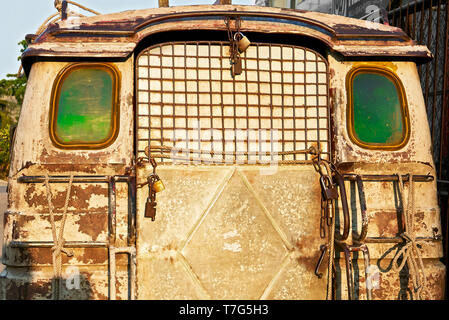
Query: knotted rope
[58,240]
[410,251]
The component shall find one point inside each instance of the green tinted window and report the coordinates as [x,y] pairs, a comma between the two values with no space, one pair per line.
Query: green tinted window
[378,115]
[85,107]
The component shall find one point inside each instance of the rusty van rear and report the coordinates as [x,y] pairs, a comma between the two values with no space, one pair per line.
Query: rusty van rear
[156,159]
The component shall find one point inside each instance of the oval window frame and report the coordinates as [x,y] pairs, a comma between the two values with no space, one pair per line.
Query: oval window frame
[54,105]
[350,107]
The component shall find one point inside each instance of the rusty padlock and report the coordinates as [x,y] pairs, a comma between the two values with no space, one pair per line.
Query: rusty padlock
[155,185]
[243,42]
[330,192]
[237,67]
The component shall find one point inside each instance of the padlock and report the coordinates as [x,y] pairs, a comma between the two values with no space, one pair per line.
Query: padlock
[243,43]
[156,183]
[150,209]
[330,192]
[237,67]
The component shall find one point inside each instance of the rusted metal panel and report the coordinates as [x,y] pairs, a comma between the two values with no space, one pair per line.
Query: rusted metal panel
[28,238]
[123,31]
[233,241]
[78,283]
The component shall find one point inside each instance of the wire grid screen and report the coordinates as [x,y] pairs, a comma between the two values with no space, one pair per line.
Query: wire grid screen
[191,109]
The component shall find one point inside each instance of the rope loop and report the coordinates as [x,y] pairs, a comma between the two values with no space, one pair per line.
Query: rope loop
[58,238]
[410,252]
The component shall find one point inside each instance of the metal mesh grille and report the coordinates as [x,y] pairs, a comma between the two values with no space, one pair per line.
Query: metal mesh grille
[188,100]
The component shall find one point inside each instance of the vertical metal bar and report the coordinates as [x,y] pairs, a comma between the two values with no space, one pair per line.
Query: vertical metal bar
[112,274]
[414,20]
[282,99]
[305,103]
[149,98]
[223,146]
[198,97]
[435,70]
[294,99]
[211,117]
[349,278]
[429,37]
[444,133]
[407,20]
[421,35]
[161,104]
[393,18]
[234,107]
[328,115]
[133,271]
[259,104]
[132,187]
[248,138]
[186,97]
[271,91]
[112,209]
[366,258]
[132,254]
[444,136]
[174,127]
[317,83]
[64,14]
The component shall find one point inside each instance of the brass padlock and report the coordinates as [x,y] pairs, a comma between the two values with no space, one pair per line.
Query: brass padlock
[243,43]
[156,183]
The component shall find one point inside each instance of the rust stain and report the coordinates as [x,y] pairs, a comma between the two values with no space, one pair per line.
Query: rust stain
[387,227]
[93,256]
[21,290]
[93,225]
[79,199]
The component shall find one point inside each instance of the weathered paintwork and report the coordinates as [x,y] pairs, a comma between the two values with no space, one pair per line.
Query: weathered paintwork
[117,35]
[222,232]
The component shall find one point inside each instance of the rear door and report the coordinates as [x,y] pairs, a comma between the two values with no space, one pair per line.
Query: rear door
[240,215]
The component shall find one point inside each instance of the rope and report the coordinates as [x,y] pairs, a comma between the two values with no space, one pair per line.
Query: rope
[58,15]
[410,251]
[83,7]
[152,149]
[331,260]
[58,240]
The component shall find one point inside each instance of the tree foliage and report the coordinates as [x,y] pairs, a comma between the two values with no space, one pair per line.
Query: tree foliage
[14,86]
[4,151]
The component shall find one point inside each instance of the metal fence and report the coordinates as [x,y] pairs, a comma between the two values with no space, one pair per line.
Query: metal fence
[427,21]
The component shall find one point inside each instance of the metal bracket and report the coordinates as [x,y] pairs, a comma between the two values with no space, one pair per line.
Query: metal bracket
[131,251]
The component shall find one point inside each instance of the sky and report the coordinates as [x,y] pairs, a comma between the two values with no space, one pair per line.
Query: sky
[21,17]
